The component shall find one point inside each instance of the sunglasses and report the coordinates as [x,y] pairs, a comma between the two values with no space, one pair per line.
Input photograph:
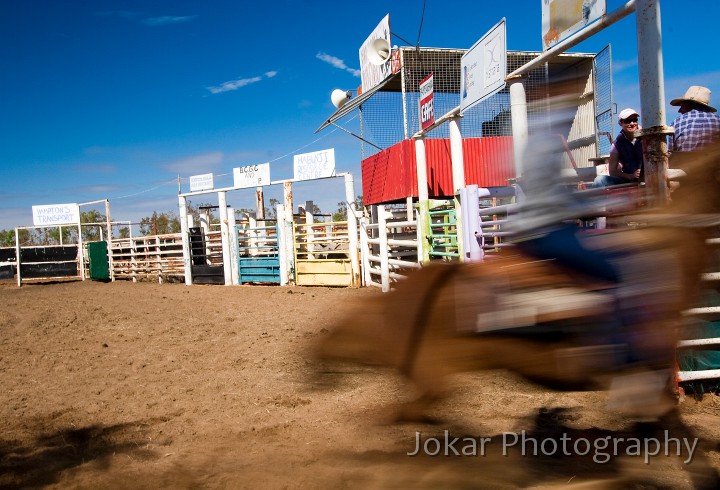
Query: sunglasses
[630,120]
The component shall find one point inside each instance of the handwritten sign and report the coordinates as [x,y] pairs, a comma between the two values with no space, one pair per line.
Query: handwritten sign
[202,182]
[56,214]
[252,175]
[563,18]
[484,67]
[427,111]
[315,165]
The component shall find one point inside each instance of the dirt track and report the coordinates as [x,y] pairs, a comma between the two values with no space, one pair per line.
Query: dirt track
[128,385]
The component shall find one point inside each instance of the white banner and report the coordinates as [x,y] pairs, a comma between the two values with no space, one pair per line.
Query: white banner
[484,67]
[372,74]
[315,165]
[56,214]
[202,182]
[252,175]
[563,18]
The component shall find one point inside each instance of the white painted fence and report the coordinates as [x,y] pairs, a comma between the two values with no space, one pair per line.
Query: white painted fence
[389,245]
[157,257]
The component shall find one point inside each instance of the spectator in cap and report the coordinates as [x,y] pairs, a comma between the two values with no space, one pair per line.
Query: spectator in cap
[625,164]
[698,125]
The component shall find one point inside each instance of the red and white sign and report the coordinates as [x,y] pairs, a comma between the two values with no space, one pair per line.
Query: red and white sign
[427,111]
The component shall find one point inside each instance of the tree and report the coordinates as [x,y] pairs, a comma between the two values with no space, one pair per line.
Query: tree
[271,212]
[160,224]
[341,213]
[91,233]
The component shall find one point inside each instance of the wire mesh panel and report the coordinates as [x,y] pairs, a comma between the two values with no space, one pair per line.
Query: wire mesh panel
[603,99]
[392,114]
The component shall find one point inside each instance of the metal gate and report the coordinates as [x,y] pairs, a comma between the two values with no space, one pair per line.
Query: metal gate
[258,253]
[322,254]
[207,257]
[443,233]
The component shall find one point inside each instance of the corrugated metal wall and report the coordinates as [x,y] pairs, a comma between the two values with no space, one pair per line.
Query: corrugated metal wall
[489,162]
[390,175]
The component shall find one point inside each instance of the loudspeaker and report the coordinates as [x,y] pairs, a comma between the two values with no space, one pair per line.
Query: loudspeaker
[340,97]
[379,51]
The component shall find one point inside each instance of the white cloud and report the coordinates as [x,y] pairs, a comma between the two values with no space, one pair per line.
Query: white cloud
[239,83]
[196,164]
[337,63]
[167,19]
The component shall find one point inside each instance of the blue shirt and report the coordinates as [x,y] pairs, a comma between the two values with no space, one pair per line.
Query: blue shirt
[694,130]
[630,153]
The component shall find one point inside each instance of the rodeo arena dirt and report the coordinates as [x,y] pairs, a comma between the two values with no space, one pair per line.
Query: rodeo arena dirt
[245,354]
[123,385]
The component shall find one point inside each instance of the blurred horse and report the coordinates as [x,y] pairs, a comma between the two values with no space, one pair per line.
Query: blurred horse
[545,323]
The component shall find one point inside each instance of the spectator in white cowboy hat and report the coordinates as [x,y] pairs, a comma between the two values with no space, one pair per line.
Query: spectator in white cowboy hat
[625,164]
[698,125]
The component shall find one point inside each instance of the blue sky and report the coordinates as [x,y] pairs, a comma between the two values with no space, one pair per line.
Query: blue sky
[115,99]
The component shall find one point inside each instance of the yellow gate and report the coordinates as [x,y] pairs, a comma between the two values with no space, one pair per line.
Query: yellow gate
[322,254]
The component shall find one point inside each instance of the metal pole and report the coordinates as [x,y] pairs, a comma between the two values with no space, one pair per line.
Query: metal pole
[352,226]
[456,154]
[109,240]
[182,207]
[234,252]
[289,233]
[225,238]
[423,221]
[652,98]
[518,113]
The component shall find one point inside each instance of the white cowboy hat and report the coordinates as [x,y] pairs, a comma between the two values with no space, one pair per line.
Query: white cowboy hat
[697,94]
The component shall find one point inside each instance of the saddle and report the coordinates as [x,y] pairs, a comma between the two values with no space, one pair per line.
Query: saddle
[529,292]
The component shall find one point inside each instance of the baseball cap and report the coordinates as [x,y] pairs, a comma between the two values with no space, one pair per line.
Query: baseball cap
[625,113]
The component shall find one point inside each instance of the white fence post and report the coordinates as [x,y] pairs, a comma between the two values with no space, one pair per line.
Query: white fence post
[281,238]
[384,249]
[187,261]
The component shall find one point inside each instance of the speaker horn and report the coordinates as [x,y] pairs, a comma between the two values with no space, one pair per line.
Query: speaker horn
[340,97]
[379,51]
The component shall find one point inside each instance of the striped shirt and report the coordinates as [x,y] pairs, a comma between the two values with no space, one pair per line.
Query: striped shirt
[694,130]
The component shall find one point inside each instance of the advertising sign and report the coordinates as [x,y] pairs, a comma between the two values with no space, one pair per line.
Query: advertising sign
[484,67]
[370,73]
[563,18]
[56,214]
[202,182]
[252,175]
[315,165]
[427,111]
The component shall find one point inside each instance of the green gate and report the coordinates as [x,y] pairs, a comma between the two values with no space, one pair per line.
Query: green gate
[443,237]
[98,258]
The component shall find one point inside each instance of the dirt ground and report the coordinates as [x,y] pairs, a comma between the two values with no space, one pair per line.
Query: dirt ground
[124,385]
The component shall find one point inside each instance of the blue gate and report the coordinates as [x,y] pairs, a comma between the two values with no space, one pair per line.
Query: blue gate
[258,253]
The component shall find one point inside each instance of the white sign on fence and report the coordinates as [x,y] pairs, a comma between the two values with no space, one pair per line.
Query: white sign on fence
[315,165]
[202,182]
[56,214]
[563,18]
[484,67]
[252,175]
